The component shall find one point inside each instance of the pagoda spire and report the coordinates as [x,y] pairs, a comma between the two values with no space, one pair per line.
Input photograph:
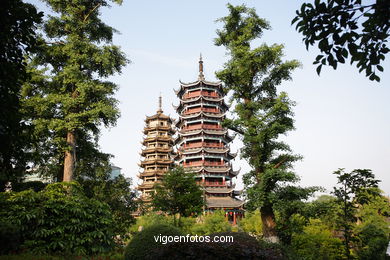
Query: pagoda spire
[201,76]
[159,104]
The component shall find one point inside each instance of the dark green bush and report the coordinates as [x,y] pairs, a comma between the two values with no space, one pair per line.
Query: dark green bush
[10,237]
[143,243]
[59,220]
[373,242]
[243,247]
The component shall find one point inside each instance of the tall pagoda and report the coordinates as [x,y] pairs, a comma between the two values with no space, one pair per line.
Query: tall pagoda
[157,152]
[203,144]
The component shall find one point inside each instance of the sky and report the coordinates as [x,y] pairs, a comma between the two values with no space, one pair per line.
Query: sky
[342,119]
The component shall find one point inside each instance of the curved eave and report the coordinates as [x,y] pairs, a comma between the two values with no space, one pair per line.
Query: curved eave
[207,150]
[191,84]
[156,162]
[157,150]
[206,114]
[205,98]
[199,131]
[158,116]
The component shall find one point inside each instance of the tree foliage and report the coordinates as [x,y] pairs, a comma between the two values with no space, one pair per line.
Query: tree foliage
[354,189]
[317,242]
[178,193]
[70,96]
[117,194]
[343,29]
[59,220]
[18,21]
[262,114]
[212,223]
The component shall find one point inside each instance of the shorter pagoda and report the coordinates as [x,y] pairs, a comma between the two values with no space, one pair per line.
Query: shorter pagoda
[157,152]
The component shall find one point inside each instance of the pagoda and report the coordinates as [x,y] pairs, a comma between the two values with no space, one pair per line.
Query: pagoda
[157,152]
[203,144]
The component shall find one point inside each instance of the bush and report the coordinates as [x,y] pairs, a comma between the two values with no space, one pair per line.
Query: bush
[373,242]
[150,219]
[214,222]
[317,242]
[59,220]
[252,223]
[243,247]
[10,237]
[143,243]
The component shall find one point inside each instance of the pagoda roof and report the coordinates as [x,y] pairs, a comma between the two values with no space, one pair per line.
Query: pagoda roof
[158,127]
[156,161]
[223,202]
[158,116]
[151,173]
[195,99]
[207,114]
[222,169]
[157,149]
[157,138]
[224,138]
[146,185]
[222,131]
[208,150]
[200,82]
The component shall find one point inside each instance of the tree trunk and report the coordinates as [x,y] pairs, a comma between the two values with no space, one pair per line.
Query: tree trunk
[70,157]
[269,225]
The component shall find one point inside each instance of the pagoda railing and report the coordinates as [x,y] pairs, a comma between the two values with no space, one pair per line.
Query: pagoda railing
[204,163]
[201,126]
[212,183]
[204,109]
[203,144]
[200,93]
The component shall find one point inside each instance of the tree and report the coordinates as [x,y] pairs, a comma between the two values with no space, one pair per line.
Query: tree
[116,193]
[18,22]
[72,98]
[354,189]
[178,193]
[344,28]
[261,114]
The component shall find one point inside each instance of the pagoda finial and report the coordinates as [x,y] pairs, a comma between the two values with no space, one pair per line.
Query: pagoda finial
[201,76]
[159,104]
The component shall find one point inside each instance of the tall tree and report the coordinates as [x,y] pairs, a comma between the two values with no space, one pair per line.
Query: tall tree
[344,28]
[178,193]
[75,99]
[261,114]
[18,23]
[354,189]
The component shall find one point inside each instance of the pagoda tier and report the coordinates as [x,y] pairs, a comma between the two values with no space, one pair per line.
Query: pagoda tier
[157,152]
[203,144]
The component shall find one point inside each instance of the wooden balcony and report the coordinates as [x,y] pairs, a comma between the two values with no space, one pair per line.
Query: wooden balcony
[213,183]
[201,126]
[204,163]
[199,109]
[201,93]
[202,144]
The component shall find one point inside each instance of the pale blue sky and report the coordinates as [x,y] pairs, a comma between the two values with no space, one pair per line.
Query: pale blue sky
[342,118]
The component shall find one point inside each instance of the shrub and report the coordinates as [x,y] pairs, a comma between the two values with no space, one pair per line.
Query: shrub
[214,222]
[373,242]
[251,223]
[317,242]
[143,243]
[150,219]
[59,220]
[243,247]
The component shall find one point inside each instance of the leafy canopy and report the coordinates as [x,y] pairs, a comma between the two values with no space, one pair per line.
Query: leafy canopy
[261,114]
[178,193]
[345,28]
